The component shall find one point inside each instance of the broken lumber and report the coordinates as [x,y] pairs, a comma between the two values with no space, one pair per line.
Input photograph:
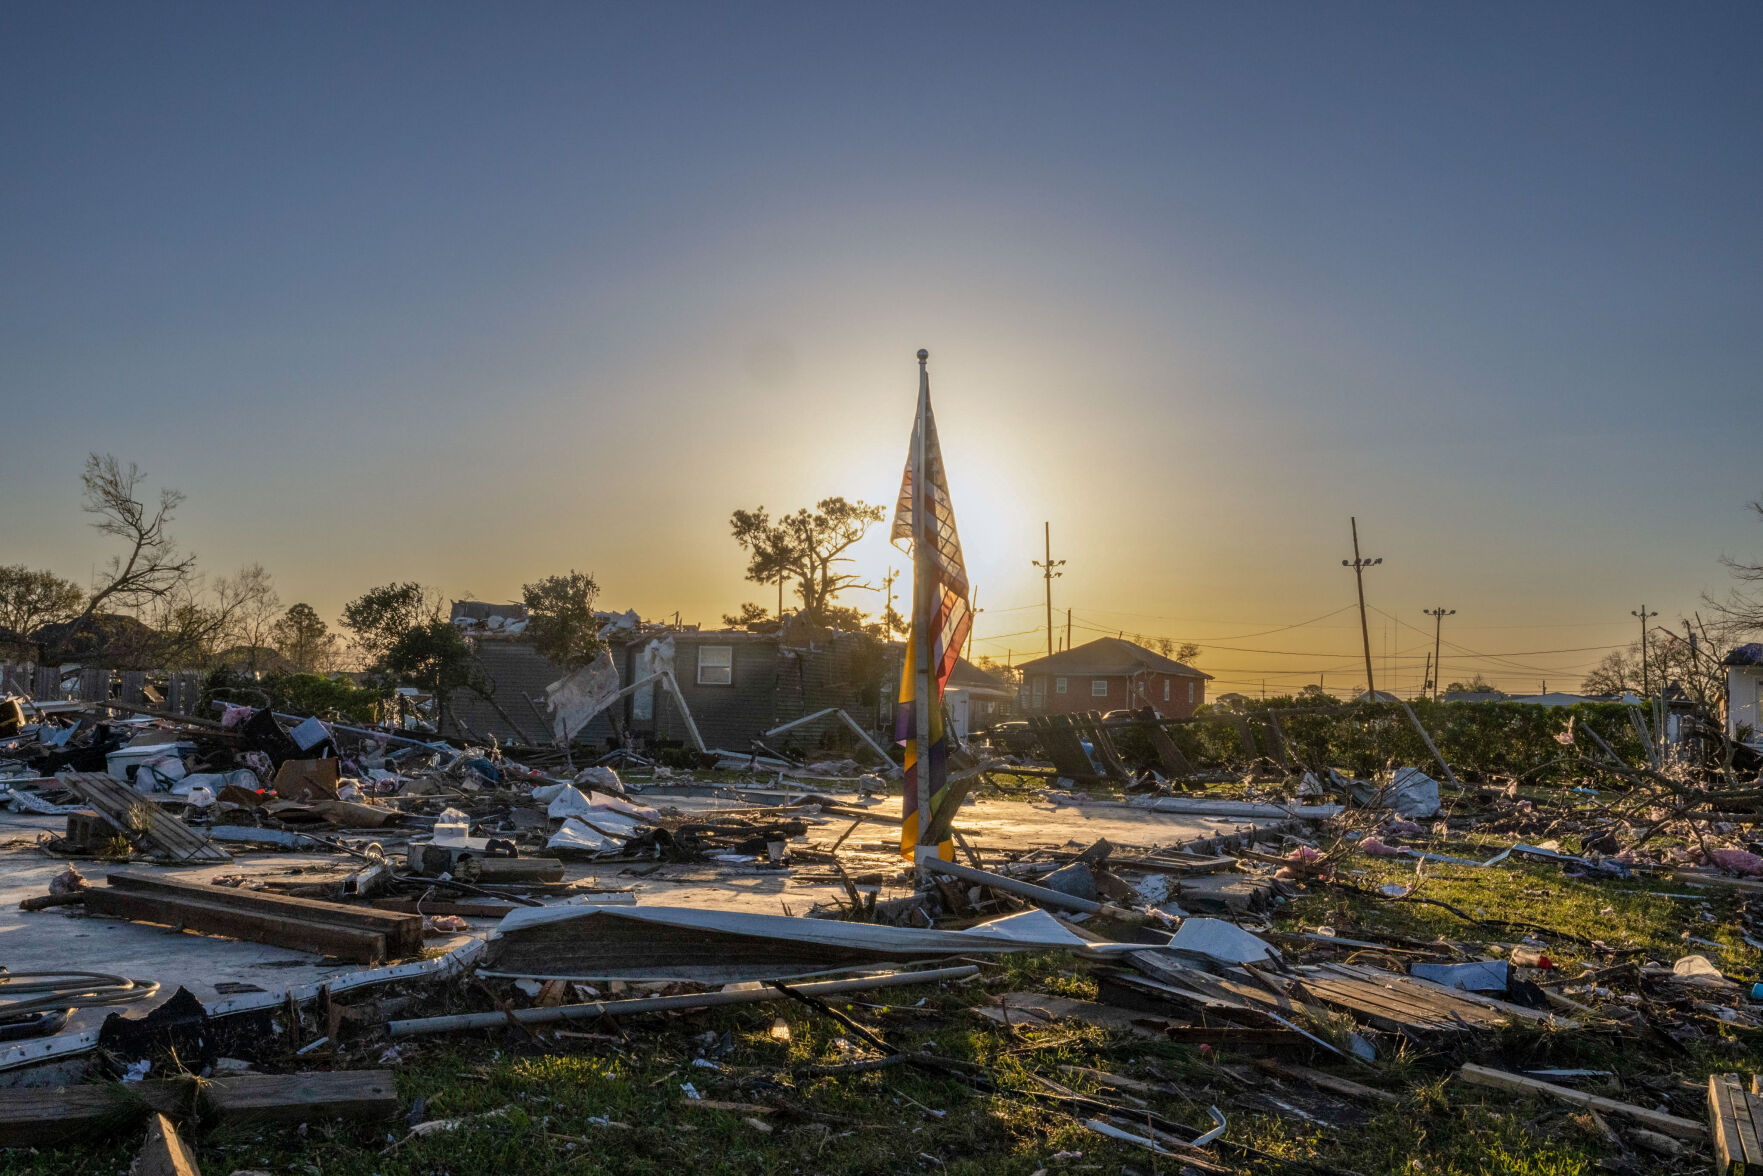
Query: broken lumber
[1735,1122]
[41,1116]
[360,934]
[142,821]
[163,1154]
[1519,1084]
[465,1022]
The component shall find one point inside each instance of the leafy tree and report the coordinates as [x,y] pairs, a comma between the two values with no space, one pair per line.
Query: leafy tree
[561,620]
[750,616]
[402,637]
[380,617]
[807,546]
[30,599]
[301,636]
[1475,685]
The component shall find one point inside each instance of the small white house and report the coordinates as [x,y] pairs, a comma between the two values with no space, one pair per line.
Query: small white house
[1744,693]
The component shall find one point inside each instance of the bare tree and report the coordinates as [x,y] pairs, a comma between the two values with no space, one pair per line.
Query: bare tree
[151,567]
[197,624]
[255,607]
[1741,612]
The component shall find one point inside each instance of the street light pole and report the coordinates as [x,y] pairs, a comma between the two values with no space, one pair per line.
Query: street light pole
[1645,616]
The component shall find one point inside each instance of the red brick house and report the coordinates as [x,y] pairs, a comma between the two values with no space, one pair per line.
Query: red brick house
[1111,674]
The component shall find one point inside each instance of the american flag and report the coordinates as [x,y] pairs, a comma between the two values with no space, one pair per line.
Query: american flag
[925,519]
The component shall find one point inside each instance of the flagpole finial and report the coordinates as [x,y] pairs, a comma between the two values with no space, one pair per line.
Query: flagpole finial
[923,355]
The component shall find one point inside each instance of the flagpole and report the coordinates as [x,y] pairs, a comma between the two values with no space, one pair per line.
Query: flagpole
[923,574]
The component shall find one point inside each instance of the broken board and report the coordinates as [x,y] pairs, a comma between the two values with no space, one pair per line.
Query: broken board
[142,821]
[39,1116]
[1735,1123]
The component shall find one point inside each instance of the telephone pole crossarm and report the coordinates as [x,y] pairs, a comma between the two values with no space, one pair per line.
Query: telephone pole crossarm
[1049,574]
[1359,563]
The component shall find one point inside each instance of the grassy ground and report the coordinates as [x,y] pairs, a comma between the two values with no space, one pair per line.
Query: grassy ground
[610,1099]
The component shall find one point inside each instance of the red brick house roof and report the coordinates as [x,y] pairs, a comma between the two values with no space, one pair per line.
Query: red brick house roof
[1109,656]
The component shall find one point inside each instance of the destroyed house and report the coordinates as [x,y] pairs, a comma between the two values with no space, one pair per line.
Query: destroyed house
[1111,673]
[736,684]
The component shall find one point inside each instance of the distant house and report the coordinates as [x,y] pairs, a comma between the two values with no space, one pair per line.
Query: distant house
[737,685]
[1744,693]
[1111,673]
[1382,696]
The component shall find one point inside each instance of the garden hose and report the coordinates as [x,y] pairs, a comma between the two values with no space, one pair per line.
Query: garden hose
[40,991]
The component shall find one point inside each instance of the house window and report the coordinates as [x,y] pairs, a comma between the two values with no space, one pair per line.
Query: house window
[1058,685]
[1190,692]
[1040,693]
[716,665]
[1098,688]
[1166,690]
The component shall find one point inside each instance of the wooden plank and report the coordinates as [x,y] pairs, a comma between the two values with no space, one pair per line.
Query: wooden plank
[164,1154]
[1369,1004]
[38,1116]
[1732,1125]
[359,946]
[141,820]
[1455,998]
[1104,745]
[402,932]
[1169,756]
[1519,1084]
[298,1098]
[1327,1082]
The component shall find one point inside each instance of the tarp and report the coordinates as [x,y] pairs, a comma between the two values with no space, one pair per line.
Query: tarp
[574,700]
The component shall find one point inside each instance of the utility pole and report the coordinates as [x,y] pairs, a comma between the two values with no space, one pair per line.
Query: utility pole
[1438,616]
[888,586]
[1645,616]
[1068,628]
[974,608]
[1359,563]
[1427,683]
[1048,573]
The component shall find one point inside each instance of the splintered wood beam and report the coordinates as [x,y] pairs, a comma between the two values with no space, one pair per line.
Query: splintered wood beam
[163,1154]
[1519,1084]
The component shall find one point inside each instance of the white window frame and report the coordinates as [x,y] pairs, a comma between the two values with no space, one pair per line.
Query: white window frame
[1166,690]
[1059,685]
[721,672]
[1101,682]
[1190,692]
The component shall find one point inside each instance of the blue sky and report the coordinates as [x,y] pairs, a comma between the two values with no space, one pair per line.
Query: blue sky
[474,294]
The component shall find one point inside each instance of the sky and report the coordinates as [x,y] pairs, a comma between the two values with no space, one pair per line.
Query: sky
[474,294]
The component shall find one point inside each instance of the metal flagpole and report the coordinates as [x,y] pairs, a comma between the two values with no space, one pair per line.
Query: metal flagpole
[923,572]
